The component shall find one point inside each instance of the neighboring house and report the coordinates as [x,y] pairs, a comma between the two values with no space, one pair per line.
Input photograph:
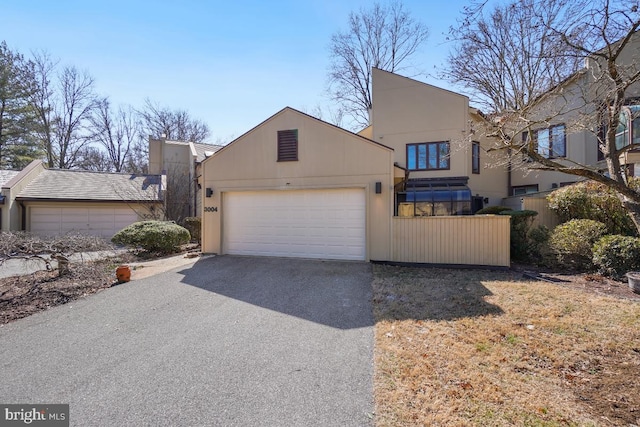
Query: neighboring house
[55,201]
[554,135]
[568,134]
[5,177]
[180,162]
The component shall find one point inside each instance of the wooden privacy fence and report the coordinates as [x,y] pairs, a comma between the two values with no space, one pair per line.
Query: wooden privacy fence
[545,215]
[536,202]
[472,240]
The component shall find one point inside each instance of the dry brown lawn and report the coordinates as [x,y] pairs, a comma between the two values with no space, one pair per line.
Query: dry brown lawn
[483,348]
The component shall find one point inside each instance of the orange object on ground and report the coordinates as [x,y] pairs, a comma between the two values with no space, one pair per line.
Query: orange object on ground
[123,273]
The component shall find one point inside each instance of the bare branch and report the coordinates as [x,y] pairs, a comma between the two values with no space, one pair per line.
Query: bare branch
[526,55]
[178,125]
[384,37]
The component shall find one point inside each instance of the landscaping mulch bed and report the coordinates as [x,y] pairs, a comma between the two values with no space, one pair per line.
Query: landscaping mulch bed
[22,296]
[586,282]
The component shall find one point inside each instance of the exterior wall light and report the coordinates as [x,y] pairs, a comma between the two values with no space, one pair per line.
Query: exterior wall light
[209,192]
[378,187]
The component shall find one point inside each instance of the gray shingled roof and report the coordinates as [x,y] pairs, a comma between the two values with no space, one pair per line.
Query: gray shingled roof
[201,149]
[5,176]
[100,186]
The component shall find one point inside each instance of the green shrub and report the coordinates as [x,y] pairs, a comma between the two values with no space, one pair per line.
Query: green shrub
[592,200]
[520,225]
[616,255]
[493,210]
[193,224]
[153,236]
[539,250]
[572,242]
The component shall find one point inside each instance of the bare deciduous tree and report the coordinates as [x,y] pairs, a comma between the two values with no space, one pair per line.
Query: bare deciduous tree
[177,125]
[138,159]
[93,159]
[64,103]
[116,132]
[507,58]
[383,37]
[334,116]
[42,102]
[178,197]
[601,33]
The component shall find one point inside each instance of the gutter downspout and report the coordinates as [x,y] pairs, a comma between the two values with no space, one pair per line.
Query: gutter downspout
[509,186]
[162,190]
[197,186]
[23,216]
[195,191]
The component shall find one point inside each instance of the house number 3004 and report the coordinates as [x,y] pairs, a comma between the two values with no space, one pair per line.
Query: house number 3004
[211,209]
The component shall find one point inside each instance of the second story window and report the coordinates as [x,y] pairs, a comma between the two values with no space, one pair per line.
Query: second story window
[627,132]
[550,142]
[475,157]
[428,156]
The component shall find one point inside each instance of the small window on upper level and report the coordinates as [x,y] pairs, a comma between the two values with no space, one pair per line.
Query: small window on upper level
[475,157]
[288,145]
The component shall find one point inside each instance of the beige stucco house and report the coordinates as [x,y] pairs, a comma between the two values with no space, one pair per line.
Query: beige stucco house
[296,186]
[181,162]
[444,163]
[55,201]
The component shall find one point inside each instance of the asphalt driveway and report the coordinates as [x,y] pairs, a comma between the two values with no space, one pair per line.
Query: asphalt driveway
[230,341]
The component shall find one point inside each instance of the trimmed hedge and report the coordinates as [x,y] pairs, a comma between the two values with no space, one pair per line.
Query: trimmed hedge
[616,255]
[572,242]
[153,236]
[493,210]
[193,225]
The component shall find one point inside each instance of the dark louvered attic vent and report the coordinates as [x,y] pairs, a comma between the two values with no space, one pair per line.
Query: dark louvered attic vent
[288,145]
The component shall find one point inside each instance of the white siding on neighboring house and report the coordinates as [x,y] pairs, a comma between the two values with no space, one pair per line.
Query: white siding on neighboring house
[96,221]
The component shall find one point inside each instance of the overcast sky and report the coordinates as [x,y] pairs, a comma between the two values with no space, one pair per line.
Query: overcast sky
[231,64]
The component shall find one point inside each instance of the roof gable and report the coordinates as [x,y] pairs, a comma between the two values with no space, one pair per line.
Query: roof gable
[304,116]
[322,150]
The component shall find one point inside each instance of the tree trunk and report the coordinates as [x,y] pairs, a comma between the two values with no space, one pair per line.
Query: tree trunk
[63,265]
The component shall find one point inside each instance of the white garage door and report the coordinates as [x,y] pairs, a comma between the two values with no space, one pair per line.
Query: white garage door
[96,221]
[296,223]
